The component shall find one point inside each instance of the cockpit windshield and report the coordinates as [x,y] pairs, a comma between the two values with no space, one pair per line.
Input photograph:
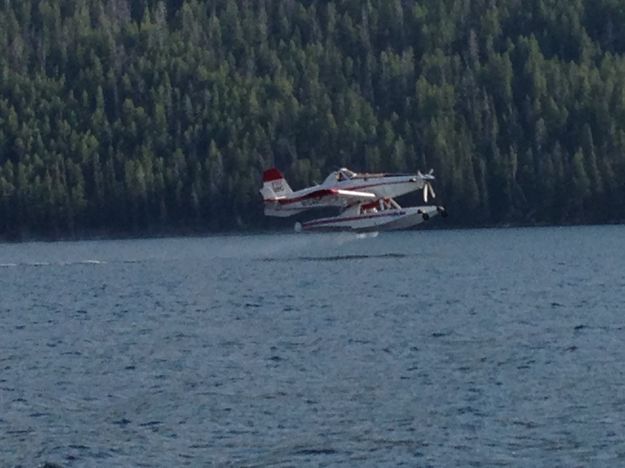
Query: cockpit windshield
[340,175]
[345,174]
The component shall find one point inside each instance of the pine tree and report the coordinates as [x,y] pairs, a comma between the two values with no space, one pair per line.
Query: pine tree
[143,113]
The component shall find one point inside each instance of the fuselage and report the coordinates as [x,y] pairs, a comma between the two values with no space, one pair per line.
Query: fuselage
[321,195]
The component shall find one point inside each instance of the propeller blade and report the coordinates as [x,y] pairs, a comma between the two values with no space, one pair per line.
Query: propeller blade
[431,189]
[425,192]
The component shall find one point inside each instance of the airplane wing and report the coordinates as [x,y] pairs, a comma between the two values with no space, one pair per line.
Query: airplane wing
[288,206]
[332,196]
[354,195]
[322,195]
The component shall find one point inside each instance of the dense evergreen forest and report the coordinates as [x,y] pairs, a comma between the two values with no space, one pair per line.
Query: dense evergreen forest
[147,116]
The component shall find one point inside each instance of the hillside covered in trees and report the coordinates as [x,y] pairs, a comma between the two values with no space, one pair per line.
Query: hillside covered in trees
[145,116]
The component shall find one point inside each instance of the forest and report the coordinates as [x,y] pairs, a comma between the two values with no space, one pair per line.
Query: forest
[142,117]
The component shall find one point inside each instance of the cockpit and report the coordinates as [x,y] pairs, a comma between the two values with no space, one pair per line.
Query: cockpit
[341,175]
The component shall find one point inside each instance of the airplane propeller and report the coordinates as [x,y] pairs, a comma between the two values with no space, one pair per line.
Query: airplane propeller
[427,188]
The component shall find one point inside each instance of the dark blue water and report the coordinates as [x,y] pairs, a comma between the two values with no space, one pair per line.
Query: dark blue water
[485,347]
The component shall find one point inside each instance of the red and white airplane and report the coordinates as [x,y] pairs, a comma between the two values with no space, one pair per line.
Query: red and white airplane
[366,200]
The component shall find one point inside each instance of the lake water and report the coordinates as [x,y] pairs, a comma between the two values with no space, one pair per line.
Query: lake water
[421,348]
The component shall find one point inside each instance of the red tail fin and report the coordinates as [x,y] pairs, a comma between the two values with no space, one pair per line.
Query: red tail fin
[272,174]
[274,185]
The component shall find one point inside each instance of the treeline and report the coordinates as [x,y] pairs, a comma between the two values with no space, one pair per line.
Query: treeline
[147,116]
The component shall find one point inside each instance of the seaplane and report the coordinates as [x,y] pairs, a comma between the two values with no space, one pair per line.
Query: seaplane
[366,201]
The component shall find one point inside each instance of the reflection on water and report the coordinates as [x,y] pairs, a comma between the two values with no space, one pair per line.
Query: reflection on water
[334,258]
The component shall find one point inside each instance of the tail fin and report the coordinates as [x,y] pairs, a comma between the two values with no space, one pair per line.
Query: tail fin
[274,185]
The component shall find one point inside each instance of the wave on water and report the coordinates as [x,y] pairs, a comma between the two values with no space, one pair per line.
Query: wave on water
[335,258]
[83,262]
[55,264]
